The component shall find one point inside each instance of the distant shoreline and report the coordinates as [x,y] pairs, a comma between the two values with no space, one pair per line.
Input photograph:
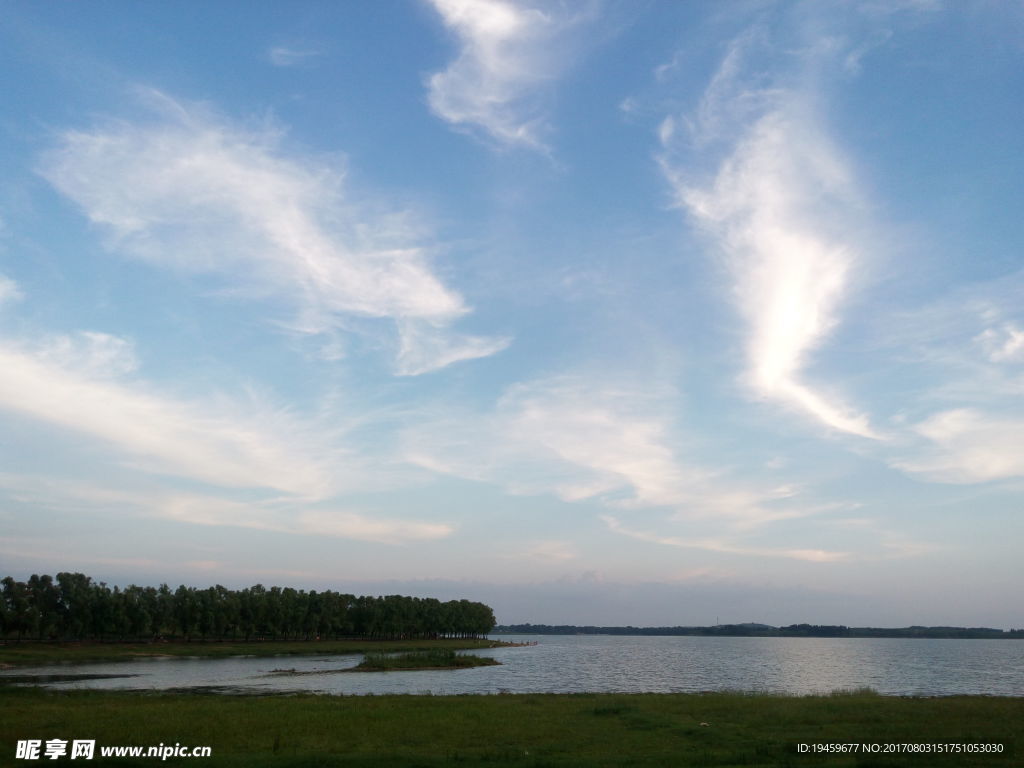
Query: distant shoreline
[766,630]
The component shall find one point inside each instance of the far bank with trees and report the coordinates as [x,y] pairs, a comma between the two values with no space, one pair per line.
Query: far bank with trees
[72,607]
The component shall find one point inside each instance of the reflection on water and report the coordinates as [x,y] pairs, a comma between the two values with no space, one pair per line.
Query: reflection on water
[598,663]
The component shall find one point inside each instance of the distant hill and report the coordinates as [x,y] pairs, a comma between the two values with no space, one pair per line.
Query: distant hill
[750,629]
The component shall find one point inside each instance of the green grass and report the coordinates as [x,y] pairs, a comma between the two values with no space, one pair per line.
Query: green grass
[516,730]
[36,654]
[435,658]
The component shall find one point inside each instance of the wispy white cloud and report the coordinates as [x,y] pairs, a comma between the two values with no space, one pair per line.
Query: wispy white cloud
[736,96]
[583,440]
[190,191]
[610,433]
[9,291]
[892,544]
[508,52]
[50,549]
[88,353]
[864,539]
[547,551]
[72,383]
[962,359]
[563,435]
[1003,344]
[963,348]
[779,209]
[353,525]
[967,445]
[724,545]
[290,56]
[285,517]
[424,347]
[279,515]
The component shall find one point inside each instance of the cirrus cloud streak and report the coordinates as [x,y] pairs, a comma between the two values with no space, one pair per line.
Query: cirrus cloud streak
[509,52]
[189,191]
[777,209]
[73,384]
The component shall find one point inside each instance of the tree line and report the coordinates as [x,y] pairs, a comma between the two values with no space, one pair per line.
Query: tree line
[74,607]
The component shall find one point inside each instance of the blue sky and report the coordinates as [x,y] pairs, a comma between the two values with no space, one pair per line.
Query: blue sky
[648,313]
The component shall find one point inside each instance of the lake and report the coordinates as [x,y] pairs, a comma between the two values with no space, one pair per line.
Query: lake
[601,663]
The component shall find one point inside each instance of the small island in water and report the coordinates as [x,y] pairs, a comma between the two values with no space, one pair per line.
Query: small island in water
[381,661]
[434,658]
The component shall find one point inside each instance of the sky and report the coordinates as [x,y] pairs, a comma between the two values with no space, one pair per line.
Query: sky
[649,313]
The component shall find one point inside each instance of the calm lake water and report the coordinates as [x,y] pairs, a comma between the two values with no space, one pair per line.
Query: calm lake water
[598,663]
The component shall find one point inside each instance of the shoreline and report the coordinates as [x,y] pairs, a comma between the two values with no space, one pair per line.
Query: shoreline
[18,655]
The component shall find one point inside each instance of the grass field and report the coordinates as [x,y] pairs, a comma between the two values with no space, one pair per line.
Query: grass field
[518,730]
[30,654]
